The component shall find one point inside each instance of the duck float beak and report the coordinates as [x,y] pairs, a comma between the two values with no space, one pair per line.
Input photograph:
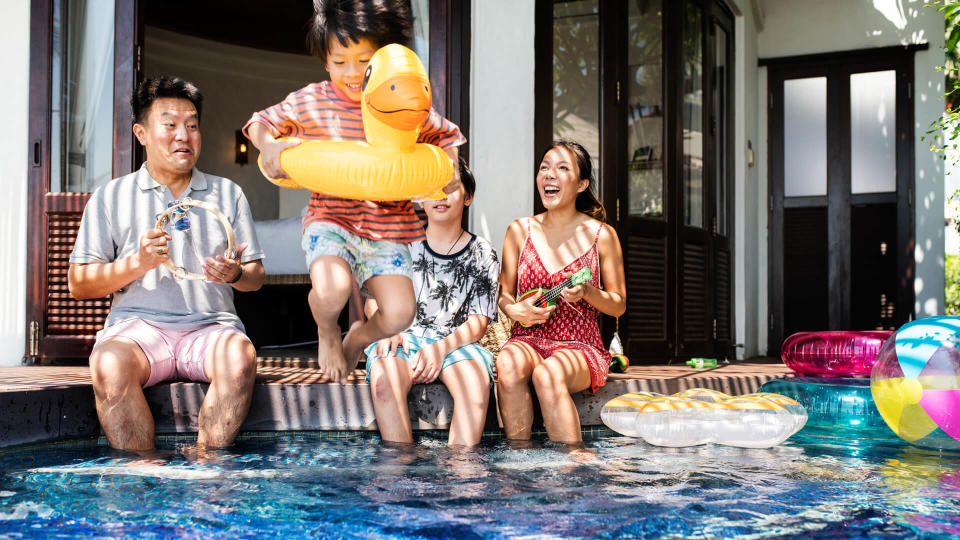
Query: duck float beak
[402,102]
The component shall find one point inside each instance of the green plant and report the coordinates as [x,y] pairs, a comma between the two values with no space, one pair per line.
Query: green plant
[953,285]
[944,131]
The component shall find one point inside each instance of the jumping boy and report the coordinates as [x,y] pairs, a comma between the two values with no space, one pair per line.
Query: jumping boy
[345,239]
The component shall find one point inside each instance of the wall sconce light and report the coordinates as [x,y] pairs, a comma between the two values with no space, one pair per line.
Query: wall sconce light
[241,148]
[750,155]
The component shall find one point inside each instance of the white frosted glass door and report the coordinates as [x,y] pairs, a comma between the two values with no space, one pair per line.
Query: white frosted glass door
[805,137]
[873,157]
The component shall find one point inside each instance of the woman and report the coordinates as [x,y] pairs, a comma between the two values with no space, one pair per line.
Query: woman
[558,347]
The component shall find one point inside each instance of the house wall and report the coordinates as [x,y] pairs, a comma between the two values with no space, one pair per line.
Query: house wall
[501,114]
[749,193]
[828,26]
[15,66]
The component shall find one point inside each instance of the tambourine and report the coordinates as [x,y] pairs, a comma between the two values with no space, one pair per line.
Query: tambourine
[184,206]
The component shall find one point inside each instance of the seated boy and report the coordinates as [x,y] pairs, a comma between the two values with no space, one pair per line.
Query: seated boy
[456,276]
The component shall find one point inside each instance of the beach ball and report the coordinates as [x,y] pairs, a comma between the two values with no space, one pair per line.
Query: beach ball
[916,382]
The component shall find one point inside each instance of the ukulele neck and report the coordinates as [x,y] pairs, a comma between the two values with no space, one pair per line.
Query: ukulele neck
[554,293]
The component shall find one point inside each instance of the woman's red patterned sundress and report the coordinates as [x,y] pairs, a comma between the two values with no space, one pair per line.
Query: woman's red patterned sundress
[571,326]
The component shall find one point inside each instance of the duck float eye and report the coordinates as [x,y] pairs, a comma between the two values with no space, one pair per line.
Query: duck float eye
[390,165]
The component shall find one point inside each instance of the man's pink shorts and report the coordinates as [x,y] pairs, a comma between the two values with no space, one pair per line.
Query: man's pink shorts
[173,354]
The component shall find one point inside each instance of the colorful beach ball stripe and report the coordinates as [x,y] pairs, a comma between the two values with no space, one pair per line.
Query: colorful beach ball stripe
[916,382]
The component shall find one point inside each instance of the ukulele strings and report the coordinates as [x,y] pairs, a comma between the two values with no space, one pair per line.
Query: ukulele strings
[553,293]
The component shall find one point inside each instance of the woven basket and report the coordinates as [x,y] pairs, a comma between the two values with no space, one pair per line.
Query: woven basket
[497,334]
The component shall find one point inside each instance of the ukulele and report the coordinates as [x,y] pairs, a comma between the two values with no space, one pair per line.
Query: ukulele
[549,297]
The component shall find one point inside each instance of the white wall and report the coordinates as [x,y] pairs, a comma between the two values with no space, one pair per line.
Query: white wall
[501,114]
[15,66]
[749,195]
[817,26]
[235,81]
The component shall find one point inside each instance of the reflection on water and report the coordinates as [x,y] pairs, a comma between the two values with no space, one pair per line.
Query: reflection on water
[307,486]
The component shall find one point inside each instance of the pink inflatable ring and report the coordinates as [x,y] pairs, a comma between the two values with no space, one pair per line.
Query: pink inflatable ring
[833,354]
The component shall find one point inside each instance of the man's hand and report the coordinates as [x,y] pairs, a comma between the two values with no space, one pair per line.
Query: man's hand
[427,364]
[270,157]
[221,269]
[154,250]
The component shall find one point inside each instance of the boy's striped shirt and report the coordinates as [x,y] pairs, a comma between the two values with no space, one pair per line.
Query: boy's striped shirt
[320,111]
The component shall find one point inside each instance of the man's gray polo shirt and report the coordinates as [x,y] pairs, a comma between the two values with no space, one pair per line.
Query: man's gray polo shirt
[122,210]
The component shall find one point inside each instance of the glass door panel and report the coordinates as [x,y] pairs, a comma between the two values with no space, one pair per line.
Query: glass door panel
[873,164]
[644,90]
[82,100]
[692,175]
[805,137]
[720,83]
[576,75]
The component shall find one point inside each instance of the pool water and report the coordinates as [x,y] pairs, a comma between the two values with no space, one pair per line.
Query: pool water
[310,485]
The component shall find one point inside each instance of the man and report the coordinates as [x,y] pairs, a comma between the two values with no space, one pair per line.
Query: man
[160,327]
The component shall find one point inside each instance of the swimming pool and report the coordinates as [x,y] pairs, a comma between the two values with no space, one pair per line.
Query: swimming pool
[312,485]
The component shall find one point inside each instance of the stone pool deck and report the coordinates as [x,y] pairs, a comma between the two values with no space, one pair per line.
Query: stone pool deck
[47,403]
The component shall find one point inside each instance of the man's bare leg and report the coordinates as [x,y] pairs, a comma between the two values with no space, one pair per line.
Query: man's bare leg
[232,369]
[396,307]
[332,281]
[119,369]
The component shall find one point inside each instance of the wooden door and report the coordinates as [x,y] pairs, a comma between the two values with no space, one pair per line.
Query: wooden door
[678,260]
[692,210]
[653,108]
[83,70]
[645,212]
[841,169]
[720,130]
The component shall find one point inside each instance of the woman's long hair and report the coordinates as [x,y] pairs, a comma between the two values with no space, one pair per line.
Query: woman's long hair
[587,202]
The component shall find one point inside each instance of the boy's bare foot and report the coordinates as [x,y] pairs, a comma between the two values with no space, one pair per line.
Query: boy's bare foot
[353,347]
[330,354]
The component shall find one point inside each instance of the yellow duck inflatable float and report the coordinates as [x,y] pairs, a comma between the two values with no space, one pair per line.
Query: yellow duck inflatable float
[390,166]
